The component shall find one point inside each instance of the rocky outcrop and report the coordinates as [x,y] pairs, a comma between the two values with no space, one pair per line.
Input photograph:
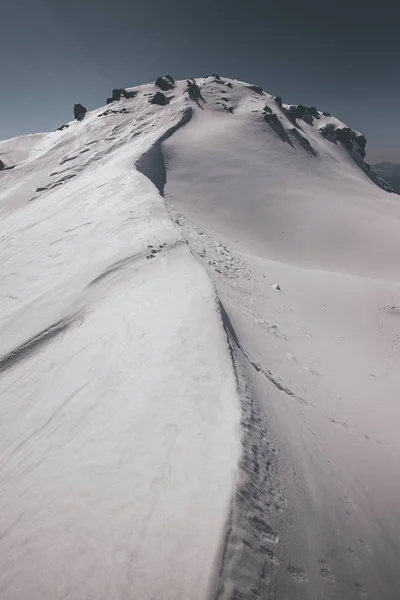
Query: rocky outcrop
[79,112]
[355,143]
[256,88]
[329,133]
[350,139]
[62,127]
[313,112]
[304,142]
[278,100]
[362,142]
[272,118]
[117,93]
[299,111]
[346,137]
[165,83]
[217,79]
[160,99]
[113,112]
[194,92]
[129,95]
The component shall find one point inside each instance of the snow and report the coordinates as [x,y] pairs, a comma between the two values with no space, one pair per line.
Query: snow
[320,357]
[119,413]
[199,392]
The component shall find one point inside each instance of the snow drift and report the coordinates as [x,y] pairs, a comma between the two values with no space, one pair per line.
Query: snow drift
[199,352]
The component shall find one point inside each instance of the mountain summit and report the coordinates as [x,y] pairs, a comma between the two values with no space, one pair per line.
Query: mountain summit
[199,353]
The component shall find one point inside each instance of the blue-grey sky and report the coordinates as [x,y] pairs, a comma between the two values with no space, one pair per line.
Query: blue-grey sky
[342,56]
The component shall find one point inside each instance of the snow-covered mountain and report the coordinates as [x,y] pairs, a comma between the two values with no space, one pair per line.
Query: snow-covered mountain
[199,374]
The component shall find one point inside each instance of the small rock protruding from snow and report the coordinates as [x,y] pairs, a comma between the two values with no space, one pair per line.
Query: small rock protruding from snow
[256,88]
[194,91]
[118,92]
[2,165]
[217,78]
[79,112]
[278,100]
[271,117]
[276,286]
[165,83]
[160,99]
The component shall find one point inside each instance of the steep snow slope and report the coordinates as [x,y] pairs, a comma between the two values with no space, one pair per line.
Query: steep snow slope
[133,344]
[261,205]
[119,414]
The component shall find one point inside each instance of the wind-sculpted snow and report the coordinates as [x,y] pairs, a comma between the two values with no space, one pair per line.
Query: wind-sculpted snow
[198,354]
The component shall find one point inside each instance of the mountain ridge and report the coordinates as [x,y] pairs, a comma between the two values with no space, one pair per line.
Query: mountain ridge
[199,319]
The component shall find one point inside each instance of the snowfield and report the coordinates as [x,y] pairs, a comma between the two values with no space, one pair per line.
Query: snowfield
[199,357]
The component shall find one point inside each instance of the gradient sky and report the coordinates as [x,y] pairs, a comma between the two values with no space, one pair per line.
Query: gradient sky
[342,56]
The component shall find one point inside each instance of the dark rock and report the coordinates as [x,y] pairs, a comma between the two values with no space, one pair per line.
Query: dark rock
[117,93]
[229,84]
[217,78]
[194,91]
[165,84]
[299,111]
[2,165]
[128,95]
[272,118]
[328,131]
[326,114]
[229,109]
[361,140]
[62,127]
[170,78]
[278,100]
[160,99]
[256,88]
[114,112]
[79,112]
[304,143]
[349,138]
[313,111]
[346,137]
[267,109]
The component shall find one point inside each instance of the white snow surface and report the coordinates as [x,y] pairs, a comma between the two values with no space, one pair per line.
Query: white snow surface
[199,361]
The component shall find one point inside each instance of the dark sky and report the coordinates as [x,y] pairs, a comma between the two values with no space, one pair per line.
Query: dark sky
[341,56]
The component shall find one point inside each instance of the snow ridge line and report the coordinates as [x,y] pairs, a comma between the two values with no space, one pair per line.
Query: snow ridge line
[248,555]
[151,163]
[27,348]
[249,561]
